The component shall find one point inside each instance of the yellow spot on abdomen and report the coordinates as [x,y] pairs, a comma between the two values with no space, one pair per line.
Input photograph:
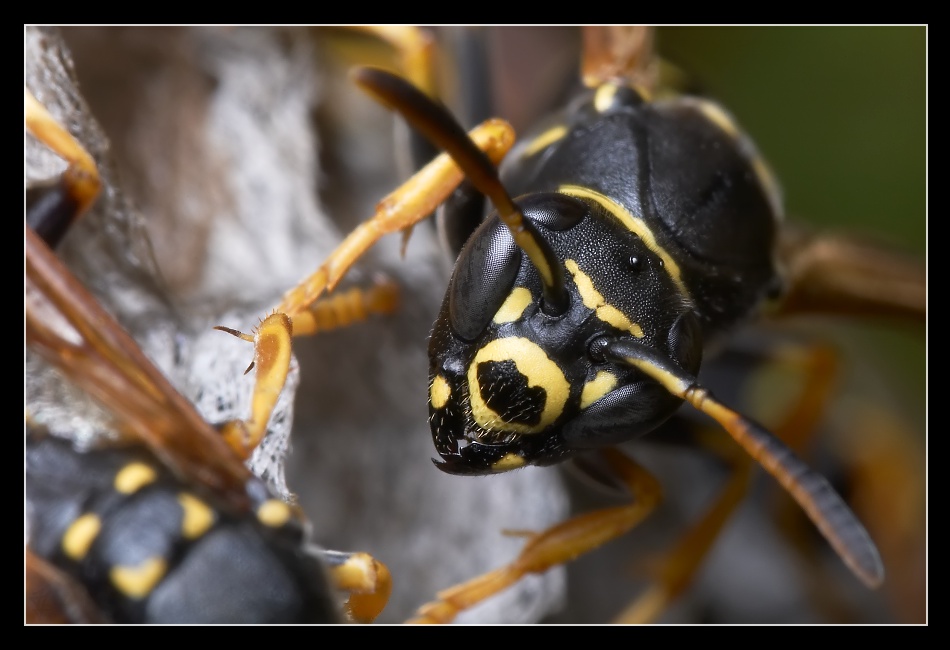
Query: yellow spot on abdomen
[80,535]
[133,477]
[439,392]
[138,581]
[550,136]
[513,306]
[273,513]
[596,388]
[595,301]
[507,463]
[539,372]
[197,516]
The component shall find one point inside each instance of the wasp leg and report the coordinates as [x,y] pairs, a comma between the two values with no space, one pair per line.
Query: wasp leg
[51,209]
[817,365]
[347,307]
[678,568]
[403,208]
[272,355]
[619,53]
[366,579]
[835,274]
[415,51]
[272,351]
[557,545]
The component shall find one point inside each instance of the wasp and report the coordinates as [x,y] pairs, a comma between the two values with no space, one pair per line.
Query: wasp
[155,519]
[353,386]
[577,315]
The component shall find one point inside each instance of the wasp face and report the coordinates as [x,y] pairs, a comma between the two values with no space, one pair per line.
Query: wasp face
[512,384]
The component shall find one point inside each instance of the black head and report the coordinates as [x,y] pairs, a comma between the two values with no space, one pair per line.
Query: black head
[513,383]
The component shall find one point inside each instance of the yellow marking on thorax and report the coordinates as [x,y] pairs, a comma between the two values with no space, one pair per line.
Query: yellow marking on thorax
[136,582]
[80,535]
[550,136]
[595,301]
[718,116]
[133,477]
[439,392]
[514,306]
[273,513]
[197,516]
[508,462]
[635,225]
[715,114]
[539,371]
[769,182]
[596,388]
[604,97]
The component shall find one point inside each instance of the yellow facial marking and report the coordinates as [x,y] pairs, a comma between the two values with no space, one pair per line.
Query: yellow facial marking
[594,300]
[138,581]
[604,97]
[133,477]
[80,535]
[634,225]
[439,392]
[507,463]
[539,372]
[596,388]
[513,306]
[550,136]
[273,513]
[197,516]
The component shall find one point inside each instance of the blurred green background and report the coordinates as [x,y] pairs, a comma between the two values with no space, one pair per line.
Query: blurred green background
[841,115]
[840,112]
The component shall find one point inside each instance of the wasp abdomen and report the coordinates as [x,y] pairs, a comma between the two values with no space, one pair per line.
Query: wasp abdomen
[150,550]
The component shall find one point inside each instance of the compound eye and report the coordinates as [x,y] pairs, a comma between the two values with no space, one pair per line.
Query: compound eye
[484,274]
[554,211]
[685,342]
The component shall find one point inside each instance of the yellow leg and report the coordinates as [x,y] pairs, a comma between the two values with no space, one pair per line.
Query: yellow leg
[836,274]
[78,186]
[677,570]
[366,579]
[347,307]
[414,48]
[272,352]
[403,208]
[82,175]
[557,545]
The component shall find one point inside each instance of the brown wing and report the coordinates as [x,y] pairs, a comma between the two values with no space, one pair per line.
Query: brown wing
[619,52]
[68,327]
